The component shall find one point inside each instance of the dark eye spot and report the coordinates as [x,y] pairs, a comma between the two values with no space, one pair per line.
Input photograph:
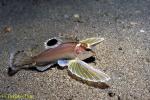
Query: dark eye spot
[51,42]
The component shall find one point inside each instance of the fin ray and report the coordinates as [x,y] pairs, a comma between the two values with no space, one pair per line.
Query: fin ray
[18,60]
[92,41]
[86,72]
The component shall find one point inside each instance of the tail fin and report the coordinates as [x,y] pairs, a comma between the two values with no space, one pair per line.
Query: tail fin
[18,60]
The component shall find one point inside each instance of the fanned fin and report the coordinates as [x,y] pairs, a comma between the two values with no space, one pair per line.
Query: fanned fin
[52,42]
[19,60]
[86,72]
[92,41]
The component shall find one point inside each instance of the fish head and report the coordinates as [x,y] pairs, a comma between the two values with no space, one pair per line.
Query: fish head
[84,48]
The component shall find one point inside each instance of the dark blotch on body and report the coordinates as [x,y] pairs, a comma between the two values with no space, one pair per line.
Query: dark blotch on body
[52,42]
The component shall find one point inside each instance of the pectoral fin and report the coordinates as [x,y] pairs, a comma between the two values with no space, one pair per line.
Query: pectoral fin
[63,63]
[87,72]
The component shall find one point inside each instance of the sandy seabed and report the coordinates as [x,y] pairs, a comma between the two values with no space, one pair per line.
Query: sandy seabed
[124,55]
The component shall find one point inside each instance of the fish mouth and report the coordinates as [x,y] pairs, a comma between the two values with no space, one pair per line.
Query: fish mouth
[93,52]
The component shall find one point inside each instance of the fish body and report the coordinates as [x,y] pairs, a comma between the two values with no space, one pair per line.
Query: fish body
[50,56]
[68,54]
[63,51]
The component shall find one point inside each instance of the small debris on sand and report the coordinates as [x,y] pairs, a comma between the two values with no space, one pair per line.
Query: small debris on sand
[142,31]
[77,18]
[120,48]
[66,16]
[133,23]
[111,94]
[7,29]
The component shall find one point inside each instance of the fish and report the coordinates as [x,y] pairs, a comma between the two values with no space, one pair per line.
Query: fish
[63,53]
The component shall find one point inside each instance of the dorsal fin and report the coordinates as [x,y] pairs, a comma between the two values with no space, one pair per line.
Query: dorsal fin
[91,42]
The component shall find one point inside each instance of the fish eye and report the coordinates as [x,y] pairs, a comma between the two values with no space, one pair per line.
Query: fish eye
[83,44]
[51,42]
